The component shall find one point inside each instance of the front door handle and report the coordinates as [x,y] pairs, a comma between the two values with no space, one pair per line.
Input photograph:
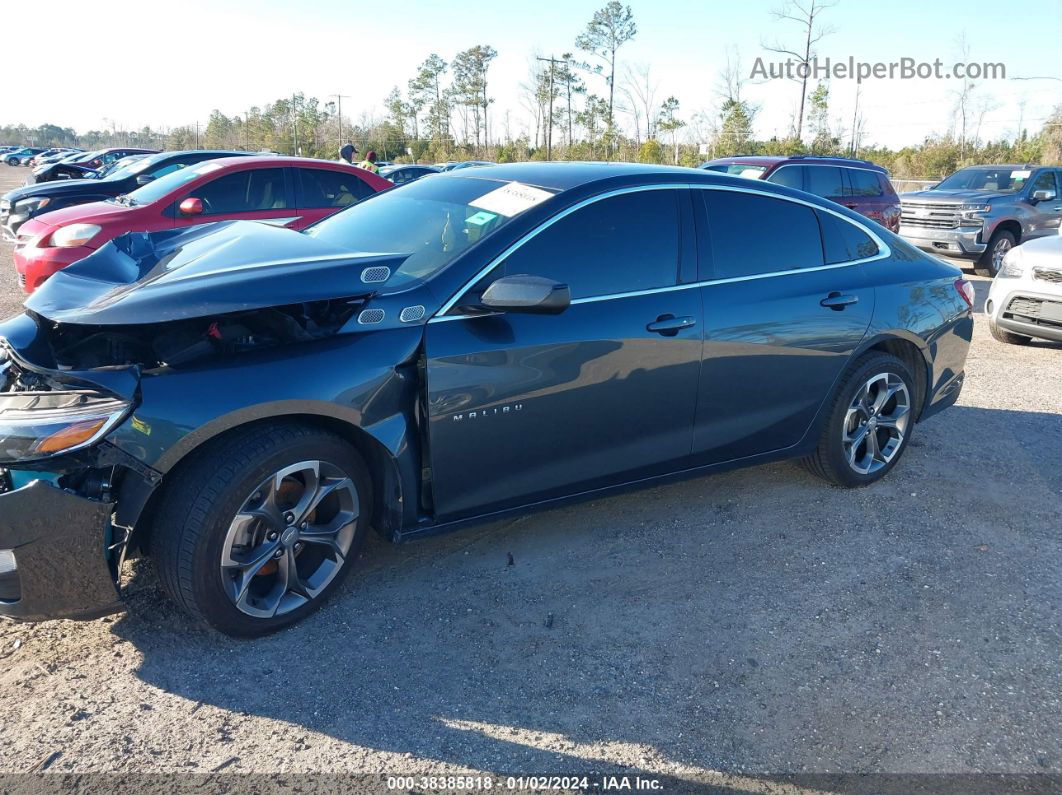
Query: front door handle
[669,325]
[838,301]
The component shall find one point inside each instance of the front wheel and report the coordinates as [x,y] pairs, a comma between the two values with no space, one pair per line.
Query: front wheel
[869,424]
[1009,337]
[991,261]
[260,527]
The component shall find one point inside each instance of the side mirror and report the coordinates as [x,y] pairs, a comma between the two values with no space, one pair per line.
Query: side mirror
[533,295]
[1043,195]
[144,179]
[191,206]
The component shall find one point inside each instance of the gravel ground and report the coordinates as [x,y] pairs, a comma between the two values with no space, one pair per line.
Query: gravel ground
[752,623]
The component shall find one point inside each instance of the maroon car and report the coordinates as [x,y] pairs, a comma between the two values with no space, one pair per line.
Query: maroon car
[857,184]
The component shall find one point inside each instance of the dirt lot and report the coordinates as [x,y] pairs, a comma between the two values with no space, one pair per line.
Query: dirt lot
[756,622]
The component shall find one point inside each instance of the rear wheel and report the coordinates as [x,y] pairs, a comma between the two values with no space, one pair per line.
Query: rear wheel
[869,424]
[1008,337]
[259,528]
[989,263]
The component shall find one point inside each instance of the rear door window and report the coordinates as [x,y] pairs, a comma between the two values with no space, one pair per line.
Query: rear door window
[751,235]
[825,181]
[325,188]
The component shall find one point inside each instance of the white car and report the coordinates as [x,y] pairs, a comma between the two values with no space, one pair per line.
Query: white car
[1026,296]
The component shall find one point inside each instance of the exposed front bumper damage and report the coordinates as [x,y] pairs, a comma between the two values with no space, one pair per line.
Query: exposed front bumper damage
[59,542]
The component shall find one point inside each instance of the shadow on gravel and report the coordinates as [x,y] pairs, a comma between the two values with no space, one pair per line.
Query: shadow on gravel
[755,620]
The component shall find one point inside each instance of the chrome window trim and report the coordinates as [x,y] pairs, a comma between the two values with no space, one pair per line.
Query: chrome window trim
[884,251]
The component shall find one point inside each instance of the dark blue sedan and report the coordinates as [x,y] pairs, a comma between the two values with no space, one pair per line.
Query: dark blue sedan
[476,344]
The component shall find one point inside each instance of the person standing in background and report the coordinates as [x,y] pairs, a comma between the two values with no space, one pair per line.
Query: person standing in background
[369,163]
[348,151]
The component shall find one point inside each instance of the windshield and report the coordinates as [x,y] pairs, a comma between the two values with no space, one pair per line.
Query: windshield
[130,166]
[432,221]
[738,169]
[111,169]
[164,186]
[996,180]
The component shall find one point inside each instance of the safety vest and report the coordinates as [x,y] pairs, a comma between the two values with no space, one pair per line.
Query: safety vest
[368,166]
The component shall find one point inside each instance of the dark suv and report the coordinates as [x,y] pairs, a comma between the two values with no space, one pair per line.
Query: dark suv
[857,184]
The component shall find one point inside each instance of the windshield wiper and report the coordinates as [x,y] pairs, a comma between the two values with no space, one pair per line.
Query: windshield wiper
[125,200]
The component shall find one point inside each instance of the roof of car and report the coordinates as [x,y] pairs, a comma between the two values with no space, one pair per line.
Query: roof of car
[1016,166]
[285,160]
[770,160]
[568,175]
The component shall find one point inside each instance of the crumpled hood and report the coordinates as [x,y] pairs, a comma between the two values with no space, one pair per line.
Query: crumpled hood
[957,196]
[206,270]
[59,187]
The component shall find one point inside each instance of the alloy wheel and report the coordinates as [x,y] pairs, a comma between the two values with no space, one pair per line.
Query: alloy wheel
[876,423]
[289,539]
[999,251]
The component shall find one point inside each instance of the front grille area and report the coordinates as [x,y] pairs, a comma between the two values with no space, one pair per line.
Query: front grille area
[1047,313]
[1047,275]
[928,215]
[22,280]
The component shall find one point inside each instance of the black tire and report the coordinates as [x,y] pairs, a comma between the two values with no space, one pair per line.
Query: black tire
[1009,337]
[830,461]
[203,499]
[985,265]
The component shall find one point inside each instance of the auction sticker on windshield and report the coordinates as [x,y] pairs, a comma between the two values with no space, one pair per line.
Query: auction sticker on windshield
[511,200]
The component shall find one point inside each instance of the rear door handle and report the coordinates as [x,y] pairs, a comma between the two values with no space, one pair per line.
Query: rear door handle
[669,325]
[838,301]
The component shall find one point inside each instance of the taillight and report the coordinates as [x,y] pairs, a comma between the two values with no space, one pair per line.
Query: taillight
[966,290]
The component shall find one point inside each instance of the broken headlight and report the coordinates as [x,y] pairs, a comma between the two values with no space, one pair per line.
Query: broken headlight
[36,425]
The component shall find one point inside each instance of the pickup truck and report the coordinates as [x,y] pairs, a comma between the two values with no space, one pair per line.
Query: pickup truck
[982,212]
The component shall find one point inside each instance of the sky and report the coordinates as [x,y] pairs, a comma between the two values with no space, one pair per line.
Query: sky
[166,65]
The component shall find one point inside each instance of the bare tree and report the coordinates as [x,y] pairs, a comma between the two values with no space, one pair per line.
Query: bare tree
[805,13]
[640,90]
[964,111]
[731,78]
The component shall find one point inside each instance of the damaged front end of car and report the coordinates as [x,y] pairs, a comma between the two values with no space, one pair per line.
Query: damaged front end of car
[71,376]
[60,550]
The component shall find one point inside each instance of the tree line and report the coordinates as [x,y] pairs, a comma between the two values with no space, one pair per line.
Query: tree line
[582,104]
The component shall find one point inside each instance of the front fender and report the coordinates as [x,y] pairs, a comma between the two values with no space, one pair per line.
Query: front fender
[364,384]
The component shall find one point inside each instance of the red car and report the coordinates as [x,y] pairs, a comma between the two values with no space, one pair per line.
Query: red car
[857,184]
[285,191]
